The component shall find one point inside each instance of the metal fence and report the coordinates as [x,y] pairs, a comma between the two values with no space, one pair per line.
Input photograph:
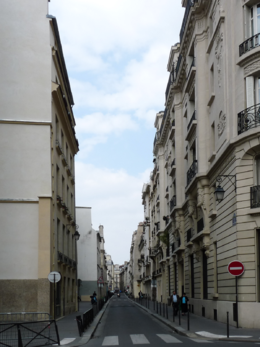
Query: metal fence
[30,334]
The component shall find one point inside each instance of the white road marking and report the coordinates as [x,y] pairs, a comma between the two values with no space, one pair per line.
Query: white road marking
[139,339]
[168,338]
[201,341]
[215,336]
[67,340]
[110,341]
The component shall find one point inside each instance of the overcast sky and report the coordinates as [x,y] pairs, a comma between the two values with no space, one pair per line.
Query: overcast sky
[116,52]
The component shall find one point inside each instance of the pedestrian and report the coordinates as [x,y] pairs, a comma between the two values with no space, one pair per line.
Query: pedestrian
[184,303]
[175,302]
[140,295]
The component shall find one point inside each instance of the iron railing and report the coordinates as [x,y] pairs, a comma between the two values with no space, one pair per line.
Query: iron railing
[188,235]
[249,44]
[169,84]
[35,333]
[178,65]
[172,202]
[191,66]
[255,196]
[248,119]
[200,225]
[173,247]
[185,18]
[192,171]
[193,117]
[18,317]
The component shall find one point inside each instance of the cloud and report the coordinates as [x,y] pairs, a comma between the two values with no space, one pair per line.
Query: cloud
[103,124]
[115,198]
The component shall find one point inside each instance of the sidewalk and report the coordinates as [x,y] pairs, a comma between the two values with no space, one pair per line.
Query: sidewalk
[202,327]
[68,329]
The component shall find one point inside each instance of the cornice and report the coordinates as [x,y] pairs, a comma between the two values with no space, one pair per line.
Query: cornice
[249,57]
[24,122]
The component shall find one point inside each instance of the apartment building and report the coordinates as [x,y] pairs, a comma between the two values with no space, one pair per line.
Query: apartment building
[206,143]
[38,146]
[110,272]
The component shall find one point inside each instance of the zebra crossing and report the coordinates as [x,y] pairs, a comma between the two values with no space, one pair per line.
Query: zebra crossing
[141,339]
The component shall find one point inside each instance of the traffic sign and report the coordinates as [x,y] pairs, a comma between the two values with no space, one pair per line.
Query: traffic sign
[100,280]
[54,277]
[236,268]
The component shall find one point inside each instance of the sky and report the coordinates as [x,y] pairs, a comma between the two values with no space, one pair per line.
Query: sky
[116,53]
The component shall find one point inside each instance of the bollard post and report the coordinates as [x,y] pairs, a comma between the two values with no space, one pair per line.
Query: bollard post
[173,313]
[166,308]
[188,318]
[163,309]
[179,317]
[160,308]
[157,307]
[228,325]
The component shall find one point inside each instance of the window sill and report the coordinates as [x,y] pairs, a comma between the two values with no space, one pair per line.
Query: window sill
[254,211]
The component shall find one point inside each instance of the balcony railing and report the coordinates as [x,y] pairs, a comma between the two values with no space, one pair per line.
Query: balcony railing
[173,202]
[192,172]
[248,119]
[170,82]
[200,225]
[249,44]
[186,15]
[173,248]
[255,196]
[191,120]
[191,66]
[188,235]
[178,64]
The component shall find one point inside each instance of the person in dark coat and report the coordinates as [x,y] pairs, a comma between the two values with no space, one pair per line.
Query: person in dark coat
[184,303]
[175,302]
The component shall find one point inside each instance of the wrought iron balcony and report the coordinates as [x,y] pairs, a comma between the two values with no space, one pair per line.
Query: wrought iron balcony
[169,84]
[173,202]
[255,196]
[248,119]
[192,172]
[173,248]
[191,120]
[251,43]
[186,15]
[200,225]
[188,235]
[191,66]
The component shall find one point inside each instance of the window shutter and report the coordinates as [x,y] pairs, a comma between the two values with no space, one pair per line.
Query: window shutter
[250,100]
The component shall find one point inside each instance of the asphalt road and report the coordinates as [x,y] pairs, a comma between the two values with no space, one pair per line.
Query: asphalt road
[124,324]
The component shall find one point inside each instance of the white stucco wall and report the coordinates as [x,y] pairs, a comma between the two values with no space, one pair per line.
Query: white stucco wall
[25,161]
[25,71]
[19,241]
[87,246]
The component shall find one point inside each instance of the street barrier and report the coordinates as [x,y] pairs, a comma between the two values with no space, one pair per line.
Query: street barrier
[18,317]
[29,334]
[227,324]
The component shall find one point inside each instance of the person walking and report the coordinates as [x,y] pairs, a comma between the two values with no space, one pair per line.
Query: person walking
[184,303]
[175,302]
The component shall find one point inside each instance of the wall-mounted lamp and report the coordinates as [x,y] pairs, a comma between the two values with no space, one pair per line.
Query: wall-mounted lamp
[76,235]
[220,192]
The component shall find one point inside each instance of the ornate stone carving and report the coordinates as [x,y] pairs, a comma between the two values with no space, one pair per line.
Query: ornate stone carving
[192,210]
[221,124]
[218,55]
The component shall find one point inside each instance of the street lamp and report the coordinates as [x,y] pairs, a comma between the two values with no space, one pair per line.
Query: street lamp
[219,192]
[76,235]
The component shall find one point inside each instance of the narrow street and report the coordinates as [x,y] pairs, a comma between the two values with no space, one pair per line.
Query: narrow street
[125,324]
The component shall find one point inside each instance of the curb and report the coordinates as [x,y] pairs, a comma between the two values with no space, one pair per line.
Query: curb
[90,331]
[181,331]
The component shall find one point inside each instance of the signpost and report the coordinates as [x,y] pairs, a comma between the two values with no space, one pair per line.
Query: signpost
[236,268]
[54,277]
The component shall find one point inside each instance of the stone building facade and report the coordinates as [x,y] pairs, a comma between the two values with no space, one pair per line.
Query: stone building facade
[208,136]
[38,146]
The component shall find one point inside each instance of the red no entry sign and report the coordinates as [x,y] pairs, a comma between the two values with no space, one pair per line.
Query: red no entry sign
[236,268]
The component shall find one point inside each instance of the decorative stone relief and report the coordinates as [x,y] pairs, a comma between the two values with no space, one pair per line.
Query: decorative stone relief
[192,210]
[221,124]
[218,55]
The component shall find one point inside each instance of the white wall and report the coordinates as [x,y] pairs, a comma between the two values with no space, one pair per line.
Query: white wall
[25,70]
[19,241]
[87,245]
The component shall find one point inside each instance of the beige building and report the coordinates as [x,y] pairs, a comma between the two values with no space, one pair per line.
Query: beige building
[110,272]
[38,146]
[208,135]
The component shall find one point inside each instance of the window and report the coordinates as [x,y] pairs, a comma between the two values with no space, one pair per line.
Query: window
[252,91]
[254,27]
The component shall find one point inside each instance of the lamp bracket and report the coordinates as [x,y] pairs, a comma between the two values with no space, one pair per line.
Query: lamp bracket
[231,178]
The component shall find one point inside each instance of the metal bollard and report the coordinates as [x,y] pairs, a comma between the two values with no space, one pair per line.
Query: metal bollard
[157,307]
[166,308]
[228,325]
[173,315]
[188,318]
[163,309]
[160,308]
[179,317]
